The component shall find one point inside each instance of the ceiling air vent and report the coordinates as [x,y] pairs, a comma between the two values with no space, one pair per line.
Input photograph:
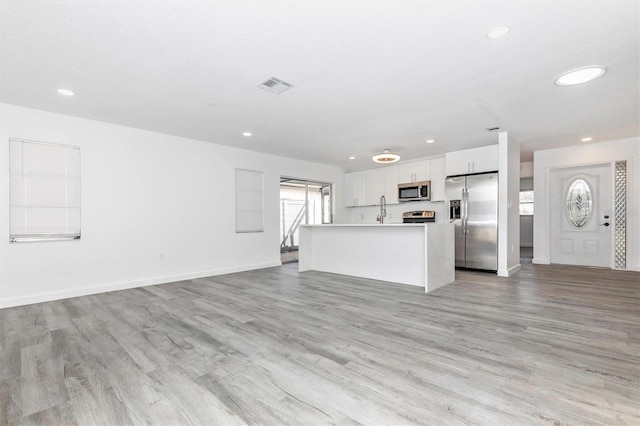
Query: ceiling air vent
[275,85]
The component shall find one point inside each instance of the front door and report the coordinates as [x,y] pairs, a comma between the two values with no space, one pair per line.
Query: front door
[581,222]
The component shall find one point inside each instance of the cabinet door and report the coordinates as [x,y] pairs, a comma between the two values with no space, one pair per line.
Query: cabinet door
[382,181]
[486,159]
[355,189]
[437,179]
[414,172]
[476,160]
[391,184]
[457,163]
[375,186]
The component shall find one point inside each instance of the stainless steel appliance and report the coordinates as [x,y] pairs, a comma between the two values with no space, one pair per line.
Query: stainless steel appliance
[419,216]
[415,191]
[473,208]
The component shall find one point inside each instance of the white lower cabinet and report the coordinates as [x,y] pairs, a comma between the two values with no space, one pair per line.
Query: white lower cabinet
[475,160]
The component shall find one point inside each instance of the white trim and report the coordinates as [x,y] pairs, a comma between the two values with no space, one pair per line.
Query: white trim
[47,297]
[509,272]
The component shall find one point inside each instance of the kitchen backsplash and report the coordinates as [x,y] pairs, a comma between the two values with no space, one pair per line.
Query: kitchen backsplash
[368,214]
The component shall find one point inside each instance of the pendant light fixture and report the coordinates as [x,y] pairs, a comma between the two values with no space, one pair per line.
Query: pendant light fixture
[385,157]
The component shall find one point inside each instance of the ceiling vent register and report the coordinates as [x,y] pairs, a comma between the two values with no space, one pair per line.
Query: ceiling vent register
[275,85]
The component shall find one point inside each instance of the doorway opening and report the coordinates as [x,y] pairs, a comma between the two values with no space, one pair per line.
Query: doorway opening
[526,220]
[301,202]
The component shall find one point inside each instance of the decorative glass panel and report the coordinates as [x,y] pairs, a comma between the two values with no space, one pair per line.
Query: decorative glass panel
[620,236]
[578,206]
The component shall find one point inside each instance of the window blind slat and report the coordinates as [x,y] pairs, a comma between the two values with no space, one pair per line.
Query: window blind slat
[44,190]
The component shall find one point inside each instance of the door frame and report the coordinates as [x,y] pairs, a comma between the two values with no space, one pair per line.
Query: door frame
[548,179]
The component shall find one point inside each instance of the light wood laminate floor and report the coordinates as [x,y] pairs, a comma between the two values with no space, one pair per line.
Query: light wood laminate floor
[551,346]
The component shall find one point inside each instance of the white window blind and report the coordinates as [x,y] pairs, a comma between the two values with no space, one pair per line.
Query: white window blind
[249,201]
[44,191]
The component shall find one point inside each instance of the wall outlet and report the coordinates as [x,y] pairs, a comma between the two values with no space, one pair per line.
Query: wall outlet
[162,257]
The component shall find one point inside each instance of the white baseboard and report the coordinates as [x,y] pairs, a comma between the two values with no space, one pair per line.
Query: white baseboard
[58,295]
[540,261]
[510,271]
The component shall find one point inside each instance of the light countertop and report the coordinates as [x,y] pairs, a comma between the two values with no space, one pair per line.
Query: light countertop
[376,225]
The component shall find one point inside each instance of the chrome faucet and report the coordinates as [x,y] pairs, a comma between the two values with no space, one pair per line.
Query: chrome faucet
[383,210]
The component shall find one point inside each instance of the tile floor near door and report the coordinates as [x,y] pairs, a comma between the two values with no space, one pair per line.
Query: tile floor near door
[552,345]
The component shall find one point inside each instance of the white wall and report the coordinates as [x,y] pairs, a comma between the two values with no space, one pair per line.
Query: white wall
[526,170]
[596,153]
[155,208]
[508,206]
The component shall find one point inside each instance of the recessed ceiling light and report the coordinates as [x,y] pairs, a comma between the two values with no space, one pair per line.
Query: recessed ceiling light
[498,32]
[581,75]
[386,157]
[66,92]
[352,158]
[586,139]
[247,134]
[431,140]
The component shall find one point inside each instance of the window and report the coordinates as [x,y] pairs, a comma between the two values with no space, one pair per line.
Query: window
[578,206]
[44,191]
[249,203]
[526,203]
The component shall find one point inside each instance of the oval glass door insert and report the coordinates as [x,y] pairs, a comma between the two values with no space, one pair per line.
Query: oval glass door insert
[578,207]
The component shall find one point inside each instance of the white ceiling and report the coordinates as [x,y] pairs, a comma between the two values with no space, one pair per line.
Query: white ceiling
[368,75]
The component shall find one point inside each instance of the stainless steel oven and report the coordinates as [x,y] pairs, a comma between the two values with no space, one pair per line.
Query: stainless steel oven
[419,216]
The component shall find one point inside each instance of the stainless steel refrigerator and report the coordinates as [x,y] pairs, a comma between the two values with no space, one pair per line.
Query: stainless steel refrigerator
[473,208]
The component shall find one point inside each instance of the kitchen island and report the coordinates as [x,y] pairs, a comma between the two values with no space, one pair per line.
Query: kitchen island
[415,254]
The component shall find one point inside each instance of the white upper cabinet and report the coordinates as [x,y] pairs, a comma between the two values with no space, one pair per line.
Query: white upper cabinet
[437,179]
[382,181]
[355,189]
[365,188]
[476,160]
[417,171]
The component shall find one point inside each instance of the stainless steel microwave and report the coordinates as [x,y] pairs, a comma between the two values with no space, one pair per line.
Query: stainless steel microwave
[415,191]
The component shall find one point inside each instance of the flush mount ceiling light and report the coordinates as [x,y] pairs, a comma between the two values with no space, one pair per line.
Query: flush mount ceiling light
[386,157]
[498,32]
[581,75]
[586,139]
[431,140]
[352,158]
[66,92]
[247,134]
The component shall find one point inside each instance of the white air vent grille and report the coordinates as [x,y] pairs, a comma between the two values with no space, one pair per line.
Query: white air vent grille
[275,85]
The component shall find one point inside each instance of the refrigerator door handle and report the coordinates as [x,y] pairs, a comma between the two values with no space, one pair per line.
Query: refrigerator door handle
[465,195]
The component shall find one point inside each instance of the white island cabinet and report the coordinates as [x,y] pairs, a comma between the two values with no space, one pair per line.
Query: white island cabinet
[415,254]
